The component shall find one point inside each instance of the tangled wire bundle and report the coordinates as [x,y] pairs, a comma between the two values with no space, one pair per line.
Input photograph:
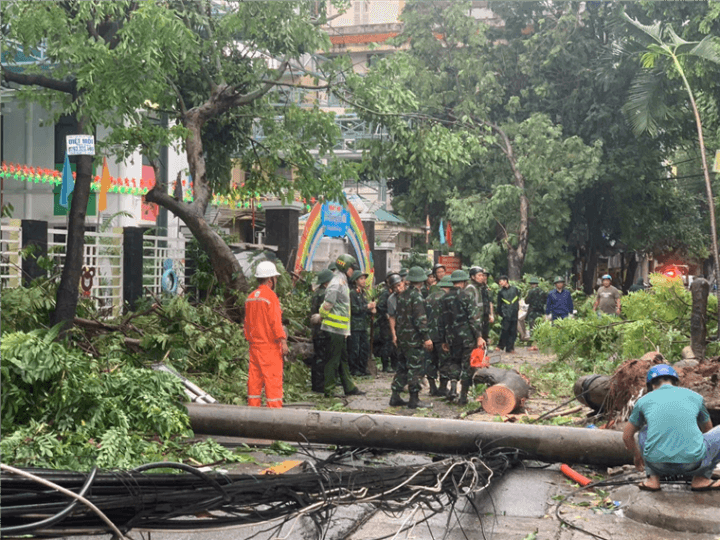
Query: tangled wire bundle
[197,500]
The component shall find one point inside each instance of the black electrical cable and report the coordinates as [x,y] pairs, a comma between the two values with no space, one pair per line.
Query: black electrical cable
[52,520]
[186,468]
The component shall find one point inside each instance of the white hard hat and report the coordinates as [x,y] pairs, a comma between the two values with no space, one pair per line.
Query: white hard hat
[266,269]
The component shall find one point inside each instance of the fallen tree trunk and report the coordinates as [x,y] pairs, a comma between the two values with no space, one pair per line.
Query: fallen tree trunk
[545,443]
[506,392]
[592,390]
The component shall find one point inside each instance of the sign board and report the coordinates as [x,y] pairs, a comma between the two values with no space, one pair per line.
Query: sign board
[450,262]
[336,219]
[716,163]
[81,145]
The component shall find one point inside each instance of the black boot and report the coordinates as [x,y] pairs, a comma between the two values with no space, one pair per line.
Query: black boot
[386,365]
[462,400]
[396,400]
[452,393]
[433,387]
[415,402]
[443,388]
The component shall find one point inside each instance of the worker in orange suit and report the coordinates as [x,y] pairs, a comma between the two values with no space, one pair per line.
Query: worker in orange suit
[267,339]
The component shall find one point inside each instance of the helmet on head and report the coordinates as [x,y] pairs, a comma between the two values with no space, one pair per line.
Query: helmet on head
[445,283]
[416,275]
[459,275]
[357,274]
[534,281]
[607,276]
[428,273]
[266,269]
[437,265]
[393,279]
[332,266]
[324,276]
[503,278]
[403,272]
[661,370]
[559,279]
[474,270]
[345,262]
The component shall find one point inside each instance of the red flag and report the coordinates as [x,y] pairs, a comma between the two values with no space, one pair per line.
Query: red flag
[448,234]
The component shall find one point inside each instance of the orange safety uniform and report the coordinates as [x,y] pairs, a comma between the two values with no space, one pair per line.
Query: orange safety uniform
[264,332]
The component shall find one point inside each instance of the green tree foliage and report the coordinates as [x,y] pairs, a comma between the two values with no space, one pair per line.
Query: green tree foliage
[466,141]
[656,319]
[204,77]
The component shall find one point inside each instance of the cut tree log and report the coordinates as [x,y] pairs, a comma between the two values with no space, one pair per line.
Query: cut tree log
[699,289]
[507,390]
[592,390]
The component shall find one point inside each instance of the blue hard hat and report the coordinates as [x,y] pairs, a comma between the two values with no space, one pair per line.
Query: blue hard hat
[661,370]
[607,276]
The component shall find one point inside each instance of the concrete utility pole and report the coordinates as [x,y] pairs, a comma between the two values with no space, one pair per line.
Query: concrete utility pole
[544,443]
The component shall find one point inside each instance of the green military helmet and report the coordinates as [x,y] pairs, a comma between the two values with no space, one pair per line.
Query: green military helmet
[428,273]
[459,275]
[357,274]
[345,262]
[476,270]
[393,279]
[445,282]
[324,276]
[534,281]
[416,275]
[559,279]
[403,272]
[332,266]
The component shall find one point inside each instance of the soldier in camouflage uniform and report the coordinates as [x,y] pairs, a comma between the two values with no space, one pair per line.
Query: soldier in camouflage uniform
[360,311]
[536,299]
[460,332]
[438,357]
[384,340]
[413,339]
[320,339]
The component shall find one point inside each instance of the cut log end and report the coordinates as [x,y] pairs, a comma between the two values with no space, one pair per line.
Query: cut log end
[499,399]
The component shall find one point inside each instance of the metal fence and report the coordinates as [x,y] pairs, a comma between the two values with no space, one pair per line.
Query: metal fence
[102,279]
[10,246]
[103,260]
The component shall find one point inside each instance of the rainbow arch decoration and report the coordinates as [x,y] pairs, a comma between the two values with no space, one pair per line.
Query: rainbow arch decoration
[336,220]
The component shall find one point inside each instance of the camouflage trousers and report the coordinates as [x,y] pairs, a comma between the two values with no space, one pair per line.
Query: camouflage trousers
[460,361]
[411,369]
[436,359]
[532,318]
[384,348]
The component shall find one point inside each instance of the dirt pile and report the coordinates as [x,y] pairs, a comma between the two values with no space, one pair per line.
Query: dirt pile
[628,383]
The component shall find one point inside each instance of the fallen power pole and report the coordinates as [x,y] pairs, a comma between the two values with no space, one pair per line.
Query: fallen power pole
[544,443]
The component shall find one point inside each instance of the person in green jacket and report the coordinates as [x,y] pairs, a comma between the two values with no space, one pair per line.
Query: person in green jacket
[335,321]
[320,339]
[508,302]
[360,312]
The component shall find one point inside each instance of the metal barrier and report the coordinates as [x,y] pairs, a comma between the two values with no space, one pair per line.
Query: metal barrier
[10,246]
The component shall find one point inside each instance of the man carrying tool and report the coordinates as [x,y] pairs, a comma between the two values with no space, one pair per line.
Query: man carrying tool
[460,333]
[676,436]
[335,321]
[266,336]
[508,302]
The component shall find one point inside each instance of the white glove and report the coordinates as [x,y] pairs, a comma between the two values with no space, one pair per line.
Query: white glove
[315,318]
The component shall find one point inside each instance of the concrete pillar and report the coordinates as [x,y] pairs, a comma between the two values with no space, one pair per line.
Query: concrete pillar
[34,233]
[132,264]
[281,229]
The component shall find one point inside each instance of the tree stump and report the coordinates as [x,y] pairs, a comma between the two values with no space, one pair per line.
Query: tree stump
[592,390]
[699,289]
[507,391]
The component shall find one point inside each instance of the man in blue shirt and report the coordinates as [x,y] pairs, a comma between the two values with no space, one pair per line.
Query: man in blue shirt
[676,436]
[559,302]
